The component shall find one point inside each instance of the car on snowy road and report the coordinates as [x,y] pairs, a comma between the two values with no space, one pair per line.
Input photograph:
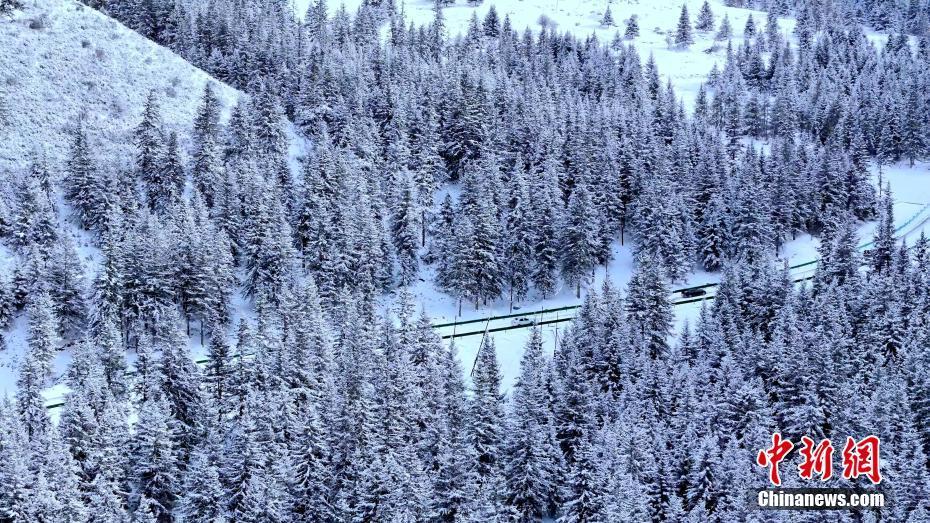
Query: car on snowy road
[693,292]
[522,321]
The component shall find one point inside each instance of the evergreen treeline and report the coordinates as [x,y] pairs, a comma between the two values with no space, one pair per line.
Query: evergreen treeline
[911,16]
[837,88]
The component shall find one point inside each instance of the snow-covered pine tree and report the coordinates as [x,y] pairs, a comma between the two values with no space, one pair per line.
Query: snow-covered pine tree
[404,230]
[486,429]
[683,36]
[632,27]
[530,463]
[149,140]
[648,308]
[726,30]
[705,19]
[518,239]
[578,243]
[608,19]
[83,187]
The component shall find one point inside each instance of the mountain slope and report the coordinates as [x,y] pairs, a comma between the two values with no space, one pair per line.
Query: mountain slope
[62,59]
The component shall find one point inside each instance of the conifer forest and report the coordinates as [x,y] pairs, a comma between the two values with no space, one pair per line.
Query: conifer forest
[463,261]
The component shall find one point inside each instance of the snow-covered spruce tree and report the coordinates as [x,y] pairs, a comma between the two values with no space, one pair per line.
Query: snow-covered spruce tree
[632,28]
[464,130]
[749,30]
[444,243]
[914,138]
[751,229]
[491,23]
[573,408]
[66,287]
[154,458]
[648,308]
[531,457]
[665,233]
[518,238]
[43,332]
[404,230]
[683,36]
[83,184]
[166,187]
[180,382]
[608,19]
[318,204]
[30,404]
[34,220]
[478,265]
[149,139]
[583,490]
[578,244]
[202,494]
[14,454]
[726,30]
[268,249]
[705,19]
[544,217]
[313,493]
[429,169]
[486,431]
[207,167]
[714,234]
[884,243]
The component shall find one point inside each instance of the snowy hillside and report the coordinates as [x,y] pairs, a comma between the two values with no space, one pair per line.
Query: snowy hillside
[62,60]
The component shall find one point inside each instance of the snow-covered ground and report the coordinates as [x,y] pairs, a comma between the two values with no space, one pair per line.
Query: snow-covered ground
[81,62]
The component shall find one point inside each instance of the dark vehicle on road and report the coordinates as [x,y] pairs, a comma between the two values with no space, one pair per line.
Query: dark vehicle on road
[694,292]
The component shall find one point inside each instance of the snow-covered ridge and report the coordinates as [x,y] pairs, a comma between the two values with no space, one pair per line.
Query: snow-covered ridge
[62,60]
